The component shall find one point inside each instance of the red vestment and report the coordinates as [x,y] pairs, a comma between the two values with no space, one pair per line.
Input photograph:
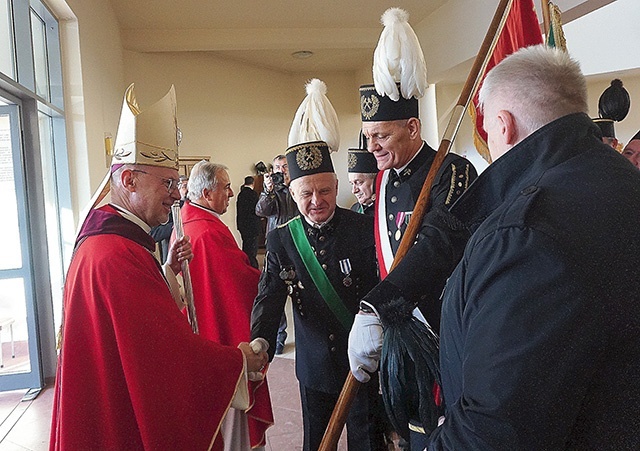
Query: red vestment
[131,374]
[224,288]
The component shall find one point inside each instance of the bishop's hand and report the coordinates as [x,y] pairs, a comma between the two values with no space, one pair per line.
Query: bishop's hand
[179,251]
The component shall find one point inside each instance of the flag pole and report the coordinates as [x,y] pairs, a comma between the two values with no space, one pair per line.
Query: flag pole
[546,18]
[350,388]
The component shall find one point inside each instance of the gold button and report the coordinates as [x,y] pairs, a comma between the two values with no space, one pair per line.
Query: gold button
[333,349]
[394,199]
[322,252]
[332,337]
[324,266]
[389,232]
[396,183]
[322,238]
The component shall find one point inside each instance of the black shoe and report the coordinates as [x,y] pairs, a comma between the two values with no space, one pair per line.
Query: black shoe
[279,348]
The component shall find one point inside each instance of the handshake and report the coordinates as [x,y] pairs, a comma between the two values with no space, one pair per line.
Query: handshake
[256,356]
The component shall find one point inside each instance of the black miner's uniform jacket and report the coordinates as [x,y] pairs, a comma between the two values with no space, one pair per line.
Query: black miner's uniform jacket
[421,275]
[540,336]
[321,340]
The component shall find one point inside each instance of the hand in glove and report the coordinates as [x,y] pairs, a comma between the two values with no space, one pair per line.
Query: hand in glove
[365,345]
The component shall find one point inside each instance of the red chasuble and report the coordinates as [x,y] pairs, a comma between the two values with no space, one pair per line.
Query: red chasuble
[131,374]
[224,288]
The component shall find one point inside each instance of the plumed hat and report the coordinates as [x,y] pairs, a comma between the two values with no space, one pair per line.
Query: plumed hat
[149,137]
[309,158]
[606,127]
[315,119]
[614,103]
[399,72]
[314,133]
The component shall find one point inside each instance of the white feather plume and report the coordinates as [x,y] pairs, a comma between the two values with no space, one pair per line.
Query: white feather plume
[399,58]
[315,119]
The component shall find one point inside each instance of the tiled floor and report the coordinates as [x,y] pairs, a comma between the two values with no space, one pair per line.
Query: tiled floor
[25,426]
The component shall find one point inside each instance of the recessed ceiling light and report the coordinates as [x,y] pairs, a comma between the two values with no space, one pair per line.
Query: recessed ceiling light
[302,54]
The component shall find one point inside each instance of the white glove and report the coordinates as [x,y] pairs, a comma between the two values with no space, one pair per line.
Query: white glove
[365,345]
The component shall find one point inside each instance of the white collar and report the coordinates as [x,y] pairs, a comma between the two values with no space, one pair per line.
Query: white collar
[208,210]
[131,217]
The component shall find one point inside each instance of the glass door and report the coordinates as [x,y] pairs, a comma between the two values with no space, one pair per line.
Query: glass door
[19,353]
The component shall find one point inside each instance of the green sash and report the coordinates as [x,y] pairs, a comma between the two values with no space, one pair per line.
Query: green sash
[318,275]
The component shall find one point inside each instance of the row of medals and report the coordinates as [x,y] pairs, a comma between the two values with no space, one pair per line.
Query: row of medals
[288,274]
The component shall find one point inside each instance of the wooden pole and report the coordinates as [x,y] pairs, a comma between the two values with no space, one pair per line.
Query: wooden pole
[350,388]
[546,18]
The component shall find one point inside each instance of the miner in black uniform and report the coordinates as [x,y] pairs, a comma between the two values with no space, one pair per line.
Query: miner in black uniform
[325,260]
[363,169]
[391,124]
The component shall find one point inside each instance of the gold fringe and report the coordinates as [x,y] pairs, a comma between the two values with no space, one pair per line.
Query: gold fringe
[478,141]
[555,18]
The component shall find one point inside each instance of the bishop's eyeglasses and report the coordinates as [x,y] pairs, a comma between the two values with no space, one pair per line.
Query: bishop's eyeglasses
[170,184]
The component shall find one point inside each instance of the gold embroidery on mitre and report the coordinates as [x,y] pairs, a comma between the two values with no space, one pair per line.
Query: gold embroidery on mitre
[352,160]
[369,106]
[309,158]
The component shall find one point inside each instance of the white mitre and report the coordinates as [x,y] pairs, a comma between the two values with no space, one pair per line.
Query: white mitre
[148,137]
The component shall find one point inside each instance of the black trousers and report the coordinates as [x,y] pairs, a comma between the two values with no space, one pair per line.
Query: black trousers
[250,247]
[365,423]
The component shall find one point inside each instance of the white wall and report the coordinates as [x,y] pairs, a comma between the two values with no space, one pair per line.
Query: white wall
[93,81]
[239,114]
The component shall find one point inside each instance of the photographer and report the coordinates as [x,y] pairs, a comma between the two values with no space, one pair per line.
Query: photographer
[277,205]
[275,202]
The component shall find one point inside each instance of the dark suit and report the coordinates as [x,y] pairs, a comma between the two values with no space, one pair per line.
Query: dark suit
[248,222]
[437,243]
[421,275]
[321,339]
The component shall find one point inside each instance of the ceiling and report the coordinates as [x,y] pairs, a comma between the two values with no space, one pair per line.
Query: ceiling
[342,34]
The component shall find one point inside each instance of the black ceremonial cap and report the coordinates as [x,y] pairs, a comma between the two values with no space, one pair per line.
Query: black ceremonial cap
[636,136]
[606,127]
[376,108]
[308,158]
[360,161]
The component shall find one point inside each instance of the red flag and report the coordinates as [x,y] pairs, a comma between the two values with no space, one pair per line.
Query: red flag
[521,29]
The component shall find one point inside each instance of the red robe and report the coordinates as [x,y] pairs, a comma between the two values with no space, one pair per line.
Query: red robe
[224,287]
[131,374]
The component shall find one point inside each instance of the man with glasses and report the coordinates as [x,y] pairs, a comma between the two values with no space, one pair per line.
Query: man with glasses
[131,373]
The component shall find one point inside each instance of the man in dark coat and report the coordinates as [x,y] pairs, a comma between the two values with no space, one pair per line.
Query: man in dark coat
[325,260]
[247,221]
[276,204]
[540,336]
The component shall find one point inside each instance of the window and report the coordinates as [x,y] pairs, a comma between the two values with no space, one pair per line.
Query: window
[7,48]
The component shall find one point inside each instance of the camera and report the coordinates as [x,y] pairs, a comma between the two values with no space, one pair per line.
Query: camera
[277,178]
